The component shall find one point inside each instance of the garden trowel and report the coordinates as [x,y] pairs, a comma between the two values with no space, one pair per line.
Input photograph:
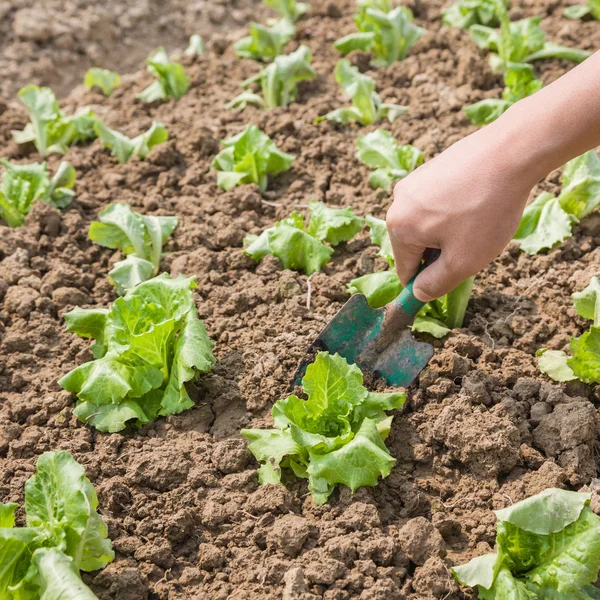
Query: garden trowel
[377,340]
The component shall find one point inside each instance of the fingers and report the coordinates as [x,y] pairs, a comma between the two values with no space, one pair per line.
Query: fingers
[407,260]
[438,278]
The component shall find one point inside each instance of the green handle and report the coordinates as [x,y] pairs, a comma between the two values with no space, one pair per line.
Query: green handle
[406,300]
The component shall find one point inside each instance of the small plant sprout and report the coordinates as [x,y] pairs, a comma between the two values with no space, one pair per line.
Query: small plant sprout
[195,47]
[547,546]
[265,43]
[249,157]
[140,237]
[22,185]
[367,106]
[579,11]
[49,128]
[520,82]
[124,148]
[388,35]
[385,6]
[291,10]
[549,219]
[106,80]
[391,161]
[300,247]
[171,79]
[336,436]
[464,13]
[278,82]
[149,344]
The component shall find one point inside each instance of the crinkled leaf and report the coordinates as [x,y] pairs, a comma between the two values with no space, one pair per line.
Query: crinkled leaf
[171,79]
[465,13]
[265,43]
[585,359]
[379,288]
[554,363]
[16,548]
[480,571]
[581,185]
[333,225]
[106,80]
[111,418]
[89,323]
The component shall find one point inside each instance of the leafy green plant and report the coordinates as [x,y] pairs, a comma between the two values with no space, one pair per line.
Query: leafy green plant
[437,317]
[464,13]
[291,10]
[140,237]
[124,148]
[584,362]
[367,106]
[249,157]
[337,435]
[22,185]
[265,43]
[579,11]
[548,546]
[383,5]
[549,219]
[301,247]
[195,47]
[520,42]
[278,82]
[171,79]
[64,534]
[148,345]
[49,128]
[388,35]
[520,82]
[106,80]
[391,161]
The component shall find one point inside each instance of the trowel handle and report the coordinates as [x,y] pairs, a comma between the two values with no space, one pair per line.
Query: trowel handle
[406,301]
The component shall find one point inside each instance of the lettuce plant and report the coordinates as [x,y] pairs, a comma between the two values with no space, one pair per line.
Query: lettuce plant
[437,317]
[388,35]
[106,80]
[195,47]
[301,247]
[583,10]
[549,219]
[385,6]
[249,157]
[367,106]
[171,79]
[149,344]
[278,82]
[464,13]
[520,82]
[49,128]
[140,237]
[391,161]
[64,534]
[265,43]
[124,148]
[337,435]
[548,546]
[584,361]
[291,10]
[520,42]
[22,185]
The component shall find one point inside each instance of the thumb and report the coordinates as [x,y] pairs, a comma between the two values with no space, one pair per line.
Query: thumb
[437,279]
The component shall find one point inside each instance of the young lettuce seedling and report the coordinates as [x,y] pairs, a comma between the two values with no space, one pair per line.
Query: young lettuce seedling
[548,546]
[195,47]
[584,362]
[124,148]
[437,317]
[64,534]
[549,219]
[291,10]
[300,247]
[520,82]
[579,11]
[388,35]
[49,128]
[140,237]
[278,82]
[22,185]
[367,106]
[106,80]
[341,425]
[171,79]
[465,13]
[391,161]
[385,6]
[265,43]
[148,345]
[249,157]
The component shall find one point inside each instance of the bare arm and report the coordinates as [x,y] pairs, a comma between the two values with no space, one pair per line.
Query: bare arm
[469,199]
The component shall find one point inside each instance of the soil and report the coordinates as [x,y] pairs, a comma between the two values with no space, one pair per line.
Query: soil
[482,427]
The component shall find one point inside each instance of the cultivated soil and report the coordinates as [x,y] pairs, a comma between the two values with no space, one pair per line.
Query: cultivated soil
[482,427]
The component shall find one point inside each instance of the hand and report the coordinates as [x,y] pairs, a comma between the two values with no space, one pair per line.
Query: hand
[467,202]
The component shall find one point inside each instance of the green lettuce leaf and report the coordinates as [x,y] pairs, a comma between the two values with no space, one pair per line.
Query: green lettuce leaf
[265,43]
[332,225]
[291,10]
[465,13]
[124,148]
[587,302]
[195,47]
[381,238]
[554,363]
[379,288]
[580,194]
[249,157]
[107,81]
[171,79]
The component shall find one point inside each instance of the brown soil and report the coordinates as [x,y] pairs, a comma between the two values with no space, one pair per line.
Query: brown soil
[482,428]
